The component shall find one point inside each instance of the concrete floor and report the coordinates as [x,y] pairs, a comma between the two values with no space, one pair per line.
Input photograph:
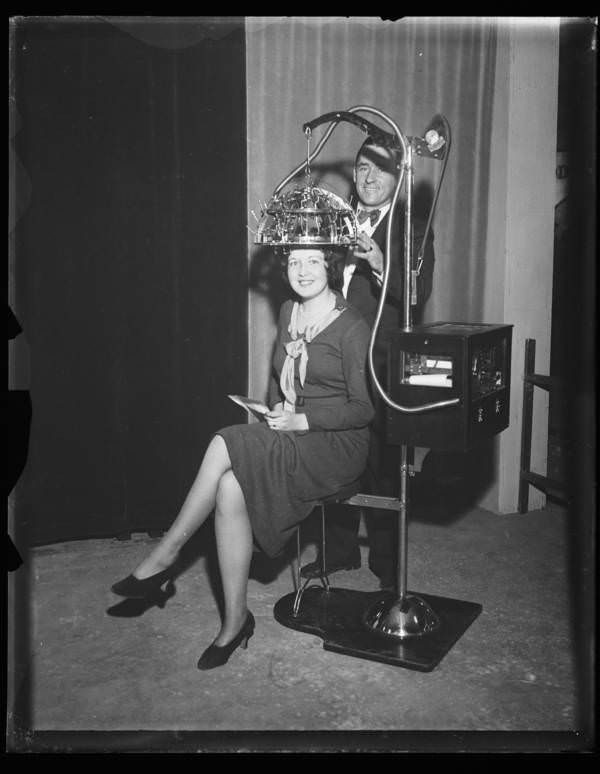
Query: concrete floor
[514,670]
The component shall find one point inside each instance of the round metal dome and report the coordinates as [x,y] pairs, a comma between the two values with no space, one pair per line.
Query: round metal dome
[307,216]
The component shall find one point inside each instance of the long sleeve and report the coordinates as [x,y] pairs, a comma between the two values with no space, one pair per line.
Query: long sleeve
[357,411]
[274,393]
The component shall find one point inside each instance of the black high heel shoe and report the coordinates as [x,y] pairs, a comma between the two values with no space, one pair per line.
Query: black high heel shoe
[134,607]
[146,588]
[217,655]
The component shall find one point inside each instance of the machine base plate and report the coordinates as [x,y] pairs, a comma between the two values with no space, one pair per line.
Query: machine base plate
[337,617]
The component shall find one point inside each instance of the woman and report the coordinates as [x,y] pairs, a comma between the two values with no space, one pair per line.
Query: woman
[263,479]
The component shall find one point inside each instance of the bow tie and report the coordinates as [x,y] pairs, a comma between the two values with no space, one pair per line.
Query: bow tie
[373,216]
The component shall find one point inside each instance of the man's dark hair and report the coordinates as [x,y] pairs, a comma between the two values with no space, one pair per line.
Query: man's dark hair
[391,165]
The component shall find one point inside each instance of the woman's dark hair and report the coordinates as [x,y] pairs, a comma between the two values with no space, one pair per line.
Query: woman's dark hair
[335,260]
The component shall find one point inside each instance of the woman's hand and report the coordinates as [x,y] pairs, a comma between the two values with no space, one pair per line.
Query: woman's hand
[277,419]
[368,249]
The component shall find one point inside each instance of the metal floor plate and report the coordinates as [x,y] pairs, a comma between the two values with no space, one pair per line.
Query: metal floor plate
[337,617]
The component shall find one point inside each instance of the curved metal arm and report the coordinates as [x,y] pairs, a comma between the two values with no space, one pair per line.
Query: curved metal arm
[383,138]
[337,116]
[310,157]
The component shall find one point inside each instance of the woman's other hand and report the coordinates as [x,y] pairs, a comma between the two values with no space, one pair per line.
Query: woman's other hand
[277,419]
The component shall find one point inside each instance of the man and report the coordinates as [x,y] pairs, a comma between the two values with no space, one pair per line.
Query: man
[376,171]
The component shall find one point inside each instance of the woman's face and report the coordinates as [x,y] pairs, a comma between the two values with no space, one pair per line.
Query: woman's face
[307,272]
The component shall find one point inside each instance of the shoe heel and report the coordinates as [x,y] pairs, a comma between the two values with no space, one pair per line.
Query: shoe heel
[244,642]
[217,655]
[163,596]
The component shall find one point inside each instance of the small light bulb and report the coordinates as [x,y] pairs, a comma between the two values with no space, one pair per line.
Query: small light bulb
[434,140]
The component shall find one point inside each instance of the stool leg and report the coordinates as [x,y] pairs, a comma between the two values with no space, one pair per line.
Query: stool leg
[323,547]
[299,587]
[298,580]
[324,578]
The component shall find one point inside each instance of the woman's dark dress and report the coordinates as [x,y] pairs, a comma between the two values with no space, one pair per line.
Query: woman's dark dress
[284,473]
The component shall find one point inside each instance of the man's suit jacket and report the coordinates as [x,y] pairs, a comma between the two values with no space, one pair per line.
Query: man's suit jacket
[364,290]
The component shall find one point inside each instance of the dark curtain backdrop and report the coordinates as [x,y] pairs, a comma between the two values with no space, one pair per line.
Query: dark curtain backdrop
[411,69]
[129,263]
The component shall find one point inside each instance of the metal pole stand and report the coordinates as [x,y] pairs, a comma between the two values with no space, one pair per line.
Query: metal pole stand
[408,615]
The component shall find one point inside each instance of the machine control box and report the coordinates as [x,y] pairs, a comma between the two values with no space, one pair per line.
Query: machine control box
[443,361]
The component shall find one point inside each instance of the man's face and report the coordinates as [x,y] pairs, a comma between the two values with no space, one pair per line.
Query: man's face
[375,184]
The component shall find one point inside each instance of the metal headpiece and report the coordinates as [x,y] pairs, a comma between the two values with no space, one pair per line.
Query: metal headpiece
[307,216]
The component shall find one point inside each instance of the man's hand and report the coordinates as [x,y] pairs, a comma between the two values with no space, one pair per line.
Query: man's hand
[368,249]
[277,419]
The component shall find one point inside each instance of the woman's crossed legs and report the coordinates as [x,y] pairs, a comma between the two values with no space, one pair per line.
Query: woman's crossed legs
[215,488]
